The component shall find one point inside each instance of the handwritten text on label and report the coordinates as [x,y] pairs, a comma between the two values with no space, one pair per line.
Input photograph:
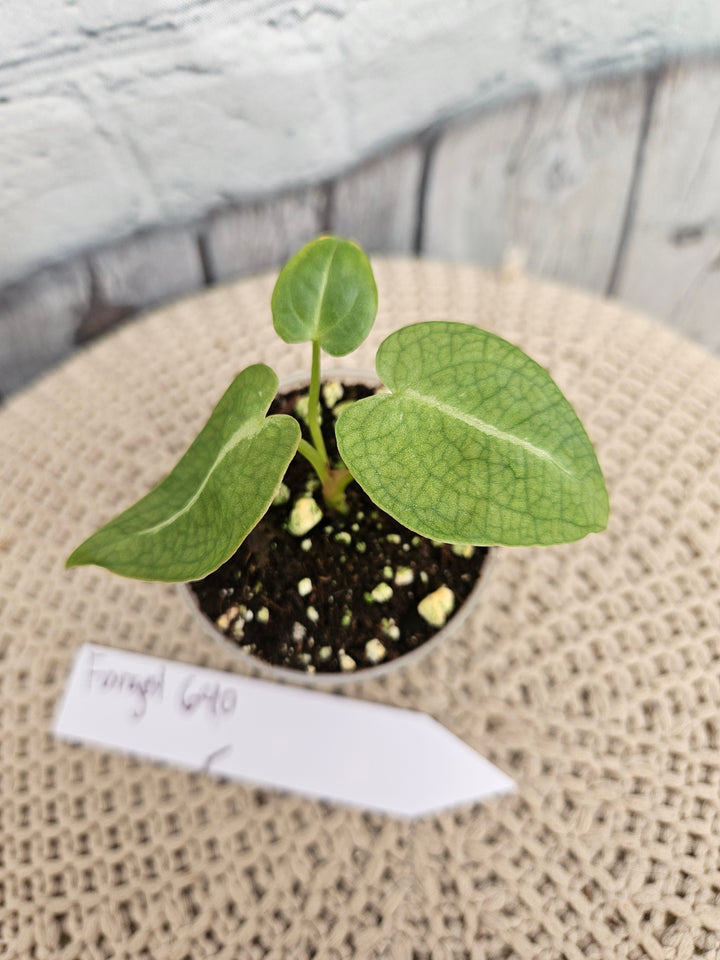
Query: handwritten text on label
[195,695]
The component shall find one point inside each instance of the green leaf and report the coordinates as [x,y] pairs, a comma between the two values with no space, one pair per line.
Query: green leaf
[475,444]
[326,294]
[199,514]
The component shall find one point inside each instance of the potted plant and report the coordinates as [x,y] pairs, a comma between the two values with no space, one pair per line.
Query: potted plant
[467,444]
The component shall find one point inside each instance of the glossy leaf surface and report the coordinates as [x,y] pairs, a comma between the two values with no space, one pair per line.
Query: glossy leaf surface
[474,444]
[199,514]
[326,293]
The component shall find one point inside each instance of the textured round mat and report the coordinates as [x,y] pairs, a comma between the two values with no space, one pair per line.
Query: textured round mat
[590,673]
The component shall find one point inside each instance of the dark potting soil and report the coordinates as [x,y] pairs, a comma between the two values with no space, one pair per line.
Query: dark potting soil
[343,596]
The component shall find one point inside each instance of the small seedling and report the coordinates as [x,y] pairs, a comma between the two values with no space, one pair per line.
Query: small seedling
[471,443]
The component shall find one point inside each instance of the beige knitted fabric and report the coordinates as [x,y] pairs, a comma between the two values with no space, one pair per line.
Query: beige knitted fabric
[590,673]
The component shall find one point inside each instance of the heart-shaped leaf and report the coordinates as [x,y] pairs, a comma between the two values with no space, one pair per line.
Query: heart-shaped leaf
[200,513]
[475,443]
[326,294]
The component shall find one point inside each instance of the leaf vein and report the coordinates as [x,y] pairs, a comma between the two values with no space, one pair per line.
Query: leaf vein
[487,428]
[245,432]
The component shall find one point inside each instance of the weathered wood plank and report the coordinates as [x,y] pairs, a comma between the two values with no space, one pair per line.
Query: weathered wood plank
[248,239]
[377,203]
[550,177]
[671,266]
[38,320]
[148,268]
[137,273]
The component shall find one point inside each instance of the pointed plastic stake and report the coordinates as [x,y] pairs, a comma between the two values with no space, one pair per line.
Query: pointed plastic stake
[349,751]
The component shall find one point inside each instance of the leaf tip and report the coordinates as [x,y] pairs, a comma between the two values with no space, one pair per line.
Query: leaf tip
[76,558]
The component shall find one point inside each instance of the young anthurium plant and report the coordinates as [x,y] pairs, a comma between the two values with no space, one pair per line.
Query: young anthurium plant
[471,443]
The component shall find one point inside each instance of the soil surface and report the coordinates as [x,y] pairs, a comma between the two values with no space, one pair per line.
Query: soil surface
[344,595]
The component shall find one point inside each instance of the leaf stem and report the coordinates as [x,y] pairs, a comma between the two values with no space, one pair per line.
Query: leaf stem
[314,406]
[334,481]
[334,489]
[314,458]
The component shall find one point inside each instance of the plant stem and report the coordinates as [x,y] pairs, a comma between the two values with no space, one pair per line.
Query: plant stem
[315,459]
[334,489]
[314,406]
[334,481]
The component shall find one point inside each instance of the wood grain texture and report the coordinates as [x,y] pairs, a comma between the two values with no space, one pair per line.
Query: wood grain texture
[550,177]
[614,187]
[377,204]
[149,268]
[38,320]
[671,266]
[243,240]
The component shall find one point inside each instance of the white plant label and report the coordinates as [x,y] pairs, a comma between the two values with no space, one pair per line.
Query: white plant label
[336,748]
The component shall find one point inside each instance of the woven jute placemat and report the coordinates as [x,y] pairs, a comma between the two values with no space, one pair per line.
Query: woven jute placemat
[589,672]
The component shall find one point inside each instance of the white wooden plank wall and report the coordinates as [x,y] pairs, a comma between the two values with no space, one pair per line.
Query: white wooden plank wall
[246,239]
[549,177]
[38,323]
[671,262]
[148,269]
[613,186]
[378,204]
